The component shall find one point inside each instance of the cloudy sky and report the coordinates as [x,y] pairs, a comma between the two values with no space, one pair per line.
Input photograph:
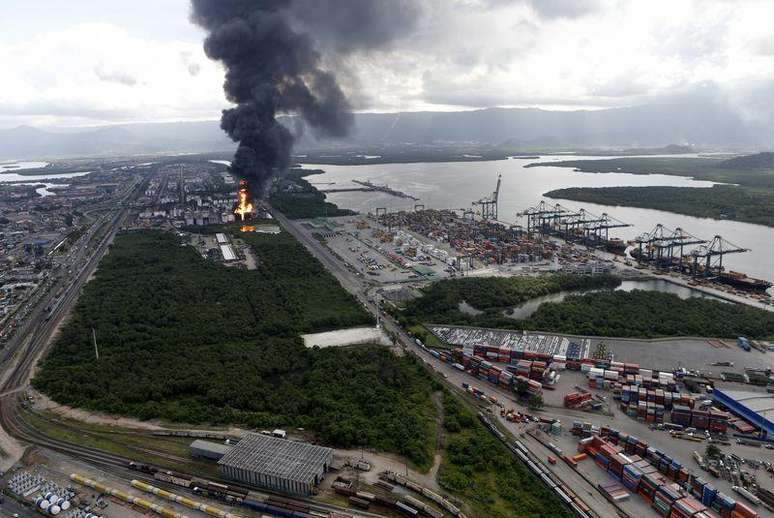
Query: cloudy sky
[108,61]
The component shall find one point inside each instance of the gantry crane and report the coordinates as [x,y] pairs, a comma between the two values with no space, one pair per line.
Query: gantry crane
[679,239]
[581,221]
[662,244]
[605,223]
[537,215]
[489,203]
[657,235]
[715,250]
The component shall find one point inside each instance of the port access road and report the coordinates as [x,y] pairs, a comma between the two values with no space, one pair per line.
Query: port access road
[453,377]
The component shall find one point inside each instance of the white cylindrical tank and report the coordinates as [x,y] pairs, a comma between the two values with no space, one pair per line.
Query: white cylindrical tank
[65,505]
[54,510]
[44,505]
[48,495]
[53,498]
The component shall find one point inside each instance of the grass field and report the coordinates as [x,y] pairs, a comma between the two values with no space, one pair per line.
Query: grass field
[168,452]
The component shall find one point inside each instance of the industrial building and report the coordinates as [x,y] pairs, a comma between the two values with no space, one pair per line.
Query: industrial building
[228,253]
[222,239]
[278,464]
[757,408]
[209,450]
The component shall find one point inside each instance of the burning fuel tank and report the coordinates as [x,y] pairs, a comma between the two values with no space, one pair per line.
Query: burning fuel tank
[243,208]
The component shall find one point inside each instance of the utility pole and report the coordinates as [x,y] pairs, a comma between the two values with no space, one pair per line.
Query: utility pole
[378,311]
[94,338]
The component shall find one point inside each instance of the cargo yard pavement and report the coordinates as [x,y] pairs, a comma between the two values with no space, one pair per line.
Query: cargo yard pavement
[652,353]
[358,288]
[657,353]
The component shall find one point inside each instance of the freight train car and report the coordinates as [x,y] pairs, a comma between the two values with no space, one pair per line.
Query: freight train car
[219,491]
[265,507]
[144,468]
[171,477]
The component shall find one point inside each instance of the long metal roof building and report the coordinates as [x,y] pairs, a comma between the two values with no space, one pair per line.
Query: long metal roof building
[279,464]
[755,407]
[209,450]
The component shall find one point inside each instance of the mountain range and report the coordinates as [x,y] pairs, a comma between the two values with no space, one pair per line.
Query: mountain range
[528,129]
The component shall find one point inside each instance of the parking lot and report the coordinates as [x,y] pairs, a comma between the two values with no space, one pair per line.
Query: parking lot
[355,241]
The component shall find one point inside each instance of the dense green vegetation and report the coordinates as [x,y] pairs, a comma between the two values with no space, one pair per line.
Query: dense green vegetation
[650,314]
[187,340]
[482,470]
[752,171]
[718,202]
[750,200]
[604,312]
[296,198]
[440,301]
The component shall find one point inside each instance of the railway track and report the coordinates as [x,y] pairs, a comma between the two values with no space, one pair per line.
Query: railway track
[15,384]
[13,387]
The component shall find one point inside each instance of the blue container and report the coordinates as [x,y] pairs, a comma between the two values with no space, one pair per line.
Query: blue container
[724,501]
[708,496]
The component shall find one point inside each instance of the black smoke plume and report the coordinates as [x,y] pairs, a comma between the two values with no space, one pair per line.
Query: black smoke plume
[273,52]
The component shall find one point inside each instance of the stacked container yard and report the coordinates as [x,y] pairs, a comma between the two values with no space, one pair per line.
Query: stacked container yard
[511,346]
[486,371]
[488,241]
[713,419]
[668,487]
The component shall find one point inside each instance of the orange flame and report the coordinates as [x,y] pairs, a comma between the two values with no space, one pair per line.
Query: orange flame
[244,207]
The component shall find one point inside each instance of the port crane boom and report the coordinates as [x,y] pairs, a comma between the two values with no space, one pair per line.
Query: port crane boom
[718,248]
[489,203]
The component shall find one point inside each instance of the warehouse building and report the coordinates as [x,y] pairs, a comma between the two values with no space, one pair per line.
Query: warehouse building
[757,408]
[278,464]
[209,450]
[228,253]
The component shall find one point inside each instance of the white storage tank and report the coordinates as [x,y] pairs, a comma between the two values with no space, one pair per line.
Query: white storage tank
[44,505]
[53,498]
[54,510]
[65,505]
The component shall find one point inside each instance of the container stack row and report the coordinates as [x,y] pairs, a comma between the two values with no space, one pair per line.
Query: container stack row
[670,489]
[713,419]
[486,371]
[616,377]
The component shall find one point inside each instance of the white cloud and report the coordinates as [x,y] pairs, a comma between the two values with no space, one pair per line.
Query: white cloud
[92,67]
[110,74]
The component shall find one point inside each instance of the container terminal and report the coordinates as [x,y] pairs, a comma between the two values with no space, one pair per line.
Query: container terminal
[634,423]
[661,249]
